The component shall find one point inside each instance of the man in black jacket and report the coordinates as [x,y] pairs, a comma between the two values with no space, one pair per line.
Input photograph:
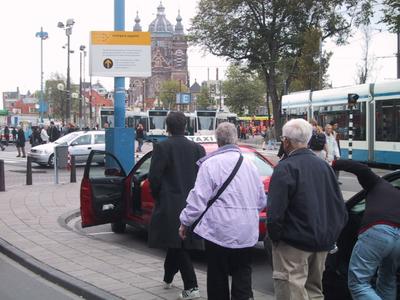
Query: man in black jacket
[53,133]
[172,175]
[378,244]
[306,214]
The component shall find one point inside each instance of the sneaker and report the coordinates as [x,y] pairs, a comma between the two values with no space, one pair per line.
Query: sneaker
[167,286]
[189,294]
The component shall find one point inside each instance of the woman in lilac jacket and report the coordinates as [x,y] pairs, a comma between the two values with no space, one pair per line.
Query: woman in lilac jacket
[230,226]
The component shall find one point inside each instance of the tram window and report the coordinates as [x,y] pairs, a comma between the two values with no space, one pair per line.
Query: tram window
[388,120]
[337,114]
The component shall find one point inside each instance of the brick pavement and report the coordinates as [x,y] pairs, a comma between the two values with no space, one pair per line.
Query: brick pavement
[29,220]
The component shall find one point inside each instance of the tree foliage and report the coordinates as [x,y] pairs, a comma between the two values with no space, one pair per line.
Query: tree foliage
[204,99]
[244,92]
[391,15]
[270,34]
[168,92]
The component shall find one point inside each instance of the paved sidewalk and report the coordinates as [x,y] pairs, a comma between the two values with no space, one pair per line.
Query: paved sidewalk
[30,221]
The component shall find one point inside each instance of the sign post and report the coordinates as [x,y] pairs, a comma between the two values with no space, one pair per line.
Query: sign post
[351,102]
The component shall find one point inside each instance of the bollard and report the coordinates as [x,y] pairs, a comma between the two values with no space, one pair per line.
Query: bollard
[29,170]
[73,169]
[2,177]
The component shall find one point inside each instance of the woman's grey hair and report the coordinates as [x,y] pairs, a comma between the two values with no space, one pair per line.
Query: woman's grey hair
[226,134]
[298,131]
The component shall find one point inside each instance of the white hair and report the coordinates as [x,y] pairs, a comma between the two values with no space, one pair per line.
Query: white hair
[298,131]
[226,133]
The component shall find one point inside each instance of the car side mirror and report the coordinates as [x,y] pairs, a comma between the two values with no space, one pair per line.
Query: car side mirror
[74,143]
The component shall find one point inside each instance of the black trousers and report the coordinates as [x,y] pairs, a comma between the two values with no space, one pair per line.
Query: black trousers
[178,259]
[222,262]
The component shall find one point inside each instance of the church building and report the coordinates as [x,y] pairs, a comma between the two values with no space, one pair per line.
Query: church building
[168,59]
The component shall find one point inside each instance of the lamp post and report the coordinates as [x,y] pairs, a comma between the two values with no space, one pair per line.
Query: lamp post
[82,55]
[43,36]
[68,31]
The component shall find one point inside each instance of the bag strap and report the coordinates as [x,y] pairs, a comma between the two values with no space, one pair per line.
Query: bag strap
[220,191]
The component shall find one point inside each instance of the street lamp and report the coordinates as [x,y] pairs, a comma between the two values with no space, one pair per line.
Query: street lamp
[68,31]
[43,36]
[82,53]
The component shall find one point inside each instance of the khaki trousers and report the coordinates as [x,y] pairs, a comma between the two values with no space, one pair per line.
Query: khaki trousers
[297,274]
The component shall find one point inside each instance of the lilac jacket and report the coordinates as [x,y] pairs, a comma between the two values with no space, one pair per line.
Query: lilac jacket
[232,221]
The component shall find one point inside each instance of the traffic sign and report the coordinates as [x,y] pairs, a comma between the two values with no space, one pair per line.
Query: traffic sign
[120,54]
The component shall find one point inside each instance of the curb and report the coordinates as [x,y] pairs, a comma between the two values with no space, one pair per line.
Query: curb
[76,286]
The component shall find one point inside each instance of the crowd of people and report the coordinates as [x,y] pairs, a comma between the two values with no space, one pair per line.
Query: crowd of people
[216,199]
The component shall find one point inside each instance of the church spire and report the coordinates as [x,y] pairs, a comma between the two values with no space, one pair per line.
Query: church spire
[179,26]
[137,26]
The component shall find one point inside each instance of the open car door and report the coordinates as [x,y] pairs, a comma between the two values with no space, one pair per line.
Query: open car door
[102,190]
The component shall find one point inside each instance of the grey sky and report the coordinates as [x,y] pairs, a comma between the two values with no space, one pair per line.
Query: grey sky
[20,51]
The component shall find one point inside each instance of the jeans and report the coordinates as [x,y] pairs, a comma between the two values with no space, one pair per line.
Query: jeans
[222,262]
[140,144]
[178,259]
[376,248]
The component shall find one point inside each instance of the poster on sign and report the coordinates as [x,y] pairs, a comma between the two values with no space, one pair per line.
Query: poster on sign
[183,98]
[120,54]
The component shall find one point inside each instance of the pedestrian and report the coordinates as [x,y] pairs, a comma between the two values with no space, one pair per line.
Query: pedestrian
[332,149]
[20,142]
[7,134]
[14,133]
[139,136]
[378,244]
[172,175]
[306,214]
[335,127]
[1,142]
[230,226]
[35,138]
[53,133]
[43,135]
[271,138]
[317,142]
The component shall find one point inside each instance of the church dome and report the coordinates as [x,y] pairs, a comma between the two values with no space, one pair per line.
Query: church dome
[161,24]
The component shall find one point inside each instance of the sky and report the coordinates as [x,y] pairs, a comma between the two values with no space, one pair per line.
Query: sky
[20,49]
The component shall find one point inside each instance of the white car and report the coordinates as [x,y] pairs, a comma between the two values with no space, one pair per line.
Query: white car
[79,143]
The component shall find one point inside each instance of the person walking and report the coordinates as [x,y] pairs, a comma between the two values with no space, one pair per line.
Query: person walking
[378,244]
[306,213]
[172,175]
[20,142]
[271,137]
[335,127]
[43,135]
[318,140]
[53,133]
[7,134]
[35,138]
[139,136]
[230,226]
[14,133]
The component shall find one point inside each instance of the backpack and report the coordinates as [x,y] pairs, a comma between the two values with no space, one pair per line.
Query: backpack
[317,141]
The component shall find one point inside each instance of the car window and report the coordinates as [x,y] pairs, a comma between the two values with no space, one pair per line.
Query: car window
[144,167]
[396,183]
[83,140]
[105,166]
[262,166]
[99,139]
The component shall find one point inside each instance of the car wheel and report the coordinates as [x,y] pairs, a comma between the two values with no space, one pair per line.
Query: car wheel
[268,249]
[51,161]
[118,227]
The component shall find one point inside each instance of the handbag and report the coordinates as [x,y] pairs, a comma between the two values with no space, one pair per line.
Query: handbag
[220,191]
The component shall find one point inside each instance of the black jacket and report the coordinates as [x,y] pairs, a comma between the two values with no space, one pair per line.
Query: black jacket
[382,200]
[305,205]
[20,138]
[53,133]
[172,175]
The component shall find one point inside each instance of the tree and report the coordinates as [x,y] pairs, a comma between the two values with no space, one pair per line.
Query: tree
[55,97]
[168,91]
[243,91]
[391,15]
[268,34]
[364,69]
[203,99]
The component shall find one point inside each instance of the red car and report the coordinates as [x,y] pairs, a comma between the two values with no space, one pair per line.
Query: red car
[108,195]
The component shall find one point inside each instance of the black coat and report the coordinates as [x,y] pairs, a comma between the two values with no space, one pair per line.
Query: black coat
[53,133]
[172,175]
[305,205]
[21,138]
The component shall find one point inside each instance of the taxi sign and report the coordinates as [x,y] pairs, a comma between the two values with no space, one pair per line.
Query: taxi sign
[202,139]
[120,54]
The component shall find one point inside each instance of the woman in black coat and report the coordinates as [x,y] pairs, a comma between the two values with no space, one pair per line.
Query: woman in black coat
[172,175]
[20,142]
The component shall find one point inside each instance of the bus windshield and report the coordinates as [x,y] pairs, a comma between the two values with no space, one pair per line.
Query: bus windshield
[206,123]
[157,122]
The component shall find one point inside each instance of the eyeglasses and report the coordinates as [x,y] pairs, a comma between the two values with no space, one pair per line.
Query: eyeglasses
[283,138]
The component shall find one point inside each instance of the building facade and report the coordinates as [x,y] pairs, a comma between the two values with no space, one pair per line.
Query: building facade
[168,59]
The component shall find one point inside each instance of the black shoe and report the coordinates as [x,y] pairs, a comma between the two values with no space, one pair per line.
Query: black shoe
[18,156]
[23,156]
[340,183]
[2,149]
